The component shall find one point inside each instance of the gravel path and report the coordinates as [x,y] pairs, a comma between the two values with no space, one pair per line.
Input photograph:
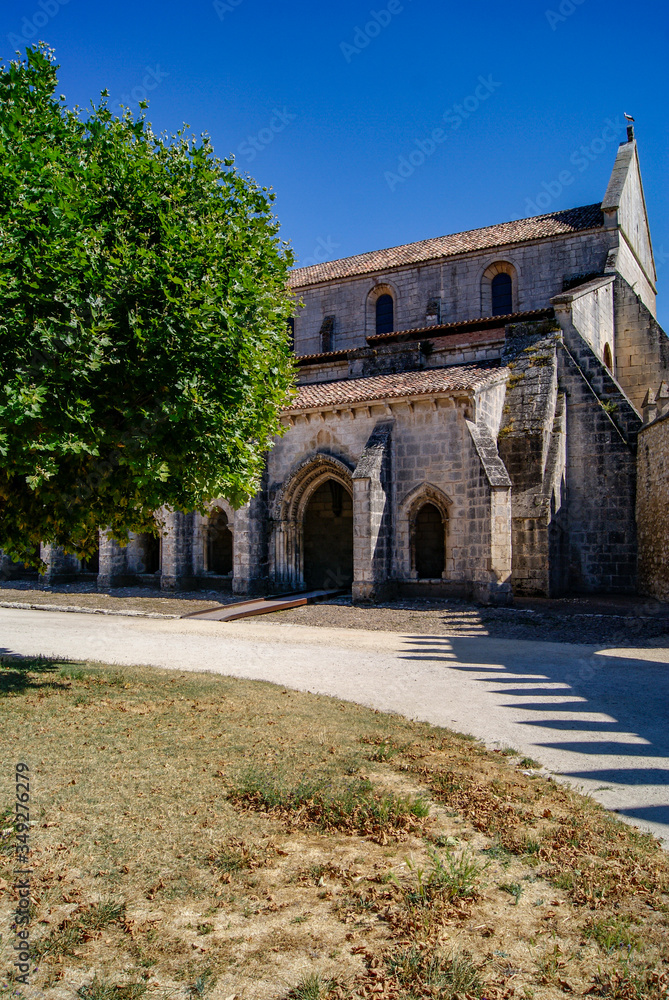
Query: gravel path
[621,621]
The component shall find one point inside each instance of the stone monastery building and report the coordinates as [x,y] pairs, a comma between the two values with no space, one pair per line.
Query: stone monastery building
[466,421]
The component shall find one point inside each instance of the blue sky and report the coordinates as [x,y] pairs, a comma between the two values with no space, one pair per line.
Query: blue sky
[335,106]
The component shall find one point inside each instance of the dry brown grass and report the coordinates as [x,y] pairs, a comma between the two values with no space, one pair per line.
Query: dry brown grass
[203,837]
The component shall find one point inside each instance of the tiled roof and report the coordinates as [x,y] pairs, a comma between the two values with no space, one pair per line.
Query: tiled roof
[491,325]
[462,326]
[572,220]
[343,392]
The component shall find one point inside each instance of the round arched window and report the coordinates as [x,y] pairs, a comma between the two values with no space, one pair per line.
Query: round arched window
[502,295]
[385,314]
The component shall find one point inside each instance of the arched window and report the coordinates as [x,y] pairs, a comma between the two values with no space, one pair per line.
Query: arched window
[608,360]
[429,541]
[502,295]
[385,316]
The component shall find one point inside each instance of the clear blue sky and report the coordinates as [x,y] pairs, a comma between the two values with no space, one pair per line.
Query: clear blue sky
[322,102]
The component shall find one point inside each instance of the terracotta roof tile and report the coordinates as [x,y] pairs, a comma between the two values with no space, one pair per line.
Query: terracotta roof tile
[572,220]
[343,392]
[462,325]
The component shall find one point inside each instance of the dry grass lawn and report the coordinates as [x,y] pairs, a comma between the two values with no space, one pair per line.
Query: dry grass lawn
[203,837]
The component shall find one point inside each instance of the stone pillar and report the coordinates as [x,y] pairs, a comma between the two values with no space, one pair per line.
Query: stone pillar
[60,567]
[113,565]
[372,522]
[176,569]
[250,555]
[497,589]
[489,522]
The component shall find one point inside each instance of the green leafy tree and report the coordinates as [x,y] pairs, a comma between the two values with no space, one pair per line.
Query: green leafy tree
[144,357]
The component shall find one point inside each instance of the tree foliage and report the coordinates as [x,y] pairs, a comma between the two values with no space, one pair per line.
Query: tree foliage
[144,358]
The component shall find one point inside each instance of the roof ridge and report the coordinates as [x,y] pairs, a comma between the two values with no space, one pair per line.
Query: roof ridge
[445,236]
[544,226]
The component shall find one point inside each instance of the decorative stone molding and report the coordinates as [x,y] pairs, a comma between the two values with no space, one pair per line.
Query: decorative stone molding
[286,551]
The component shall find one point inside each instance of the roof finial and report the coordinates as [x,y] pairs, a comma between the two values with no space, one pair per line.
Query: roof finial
[630,127]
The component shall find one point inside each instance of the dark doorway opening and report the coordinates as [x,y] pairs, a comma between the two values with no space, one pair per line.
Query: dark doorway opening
[219,544]
[429,540]
[149,546]
[91,564]
[328,538]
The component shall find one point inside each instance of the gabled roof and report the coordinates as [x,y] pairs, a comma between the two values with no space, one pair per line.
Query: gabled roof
[346,392]
[572,220]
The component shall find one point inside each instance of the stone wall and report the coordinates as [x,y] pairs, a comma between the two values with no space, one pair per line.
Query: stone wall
[642,346]
[526,443]
[395,458]
[590,309]
[540,266]
[600,474]
[653,508]
[624,208]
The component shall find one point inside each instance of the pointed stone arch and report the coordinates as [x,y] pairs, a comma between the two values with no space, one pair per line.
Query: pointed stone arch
[288,511]
[408,529]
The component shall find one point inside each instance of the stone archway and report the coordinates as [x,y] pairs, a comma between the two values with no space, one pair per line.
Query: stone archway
[290,509]
[219,543]
[429,546]
[327,537]
[148,553]
[422,534]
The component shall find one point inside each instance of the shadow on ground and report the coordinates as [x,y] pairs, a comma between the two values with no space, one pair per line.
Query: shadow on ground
[612,710]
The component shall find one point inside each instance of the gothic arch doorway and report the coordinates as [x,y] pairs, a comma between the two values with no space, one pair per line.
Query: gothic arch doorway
[219,544]
[429,541]
[327,537]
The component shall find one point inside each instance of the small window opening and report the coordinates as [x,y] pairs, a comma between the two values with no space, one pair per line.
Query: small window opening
[385,314]
[608,359]
[433,312]
[327,334]
[502,298]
